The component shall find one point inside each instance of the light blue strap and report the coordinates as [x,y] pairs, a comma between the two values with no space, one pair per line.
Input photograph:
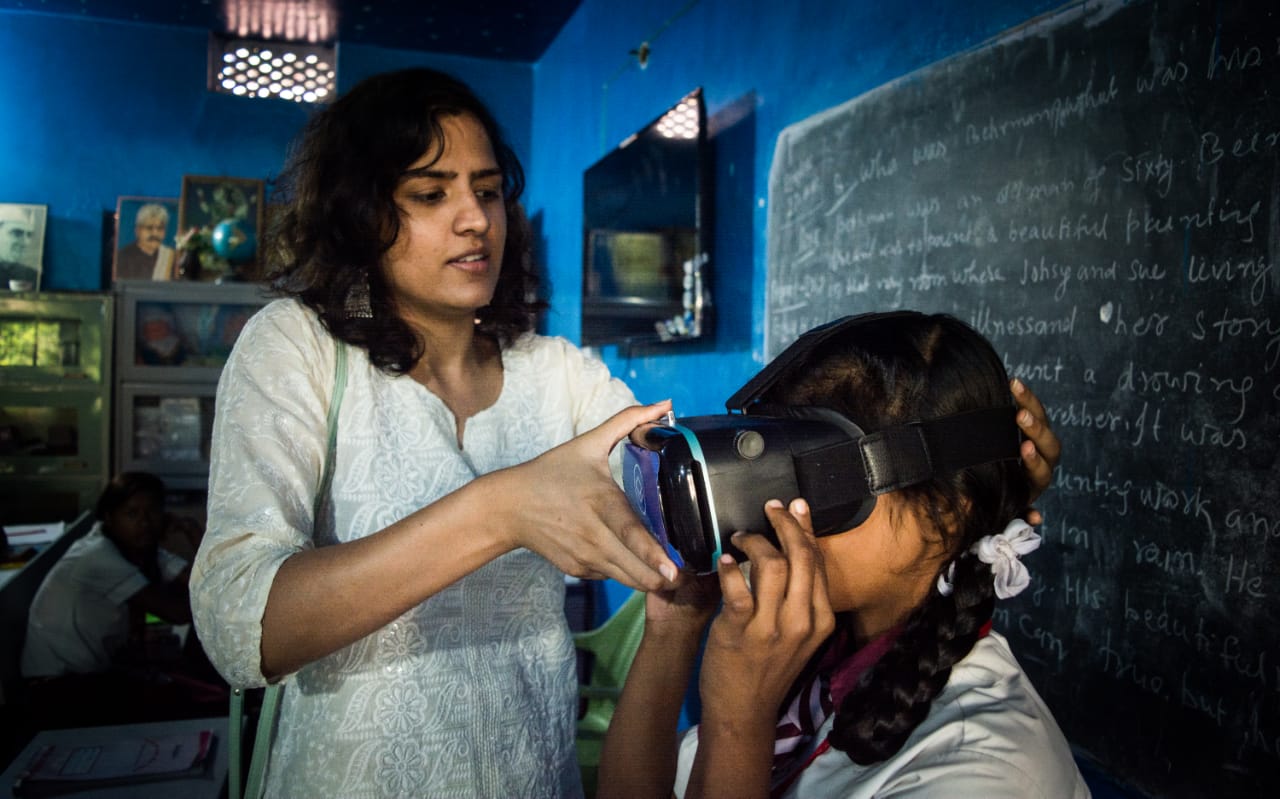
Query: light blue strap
[331,450]
[271,696]
[235,740]
[262,742]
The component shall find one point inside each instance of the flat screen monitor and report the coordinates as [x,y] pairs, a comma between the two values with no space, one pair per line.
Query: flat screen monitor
[646,233]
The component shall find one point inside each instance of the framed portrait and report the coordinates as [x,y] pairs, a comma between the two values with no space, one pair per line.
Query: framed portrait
[21,246]
[146,228]
[207,201]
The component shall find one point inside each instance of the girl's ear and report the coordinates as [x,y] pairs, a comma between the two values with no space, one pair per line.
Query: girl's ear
[940,528]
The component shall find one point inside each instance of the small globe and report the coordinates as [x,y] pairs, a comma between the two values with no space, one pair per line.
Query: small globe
[233,240]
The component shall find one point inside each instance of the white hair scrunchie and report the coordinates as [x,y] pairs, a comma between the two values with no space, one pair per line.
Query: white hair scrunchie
[1002,552]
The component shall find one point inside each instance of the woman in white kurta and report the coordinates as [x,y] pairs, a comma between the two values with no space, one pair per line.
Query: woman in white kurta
[418,622]
[862,663]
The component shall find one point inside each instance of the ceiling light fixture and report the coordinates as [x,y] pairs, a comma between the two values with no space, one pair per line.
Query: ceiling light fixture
[303,73]
[276,48]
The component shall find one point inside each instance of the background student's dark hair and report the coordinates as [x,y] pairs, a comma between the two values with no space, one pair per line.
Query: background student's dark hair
[123,487]
[340,217]
[885,372]
[119,490]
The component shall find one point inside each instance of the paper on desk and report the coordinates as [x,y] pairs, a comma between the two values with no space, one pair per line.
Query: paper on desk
[116,760]
[27,534]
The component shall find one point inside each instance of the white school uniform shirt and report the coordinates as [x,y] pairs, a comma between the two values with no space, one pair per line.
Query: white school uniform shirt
[988,735]
[79,617]
[472,693]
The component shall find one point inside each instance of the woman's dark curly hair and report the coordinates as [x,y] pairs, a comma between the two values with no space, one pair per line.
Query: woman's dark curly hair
[888,371]
[339,215]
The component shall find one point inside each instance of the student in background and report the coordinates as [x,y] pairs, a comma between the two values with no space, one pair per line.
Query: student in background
[85,650]
[860,664]
[79,620]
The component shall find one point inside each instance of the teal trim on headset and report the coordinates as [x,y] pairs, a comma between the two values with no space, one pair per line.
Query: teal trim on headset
[695,449]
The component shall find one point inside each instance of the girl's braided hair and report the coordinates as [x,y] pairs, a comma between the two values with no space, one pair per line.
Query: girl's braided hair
[888,371]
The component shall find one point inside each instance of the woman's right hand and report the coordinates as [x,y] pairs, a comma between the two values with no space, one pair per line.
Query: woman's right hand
[565,506]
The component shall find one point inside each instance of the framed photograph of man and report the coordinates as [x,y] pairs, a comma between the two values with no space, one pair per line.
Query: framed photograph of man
[146,228]
[21,246]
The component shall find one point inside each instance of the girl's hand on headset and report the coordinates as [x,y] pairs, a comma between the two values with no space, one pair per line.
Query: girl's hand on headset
[685,610]
[768,629]
[758,645]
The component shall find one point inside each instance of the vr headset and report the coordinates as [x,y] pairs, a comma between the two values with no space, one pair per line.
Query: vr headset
[697,480]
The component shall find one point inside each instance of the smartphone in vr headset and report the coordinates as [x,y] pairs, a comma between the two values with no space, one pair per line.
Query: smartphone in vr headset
[697,480]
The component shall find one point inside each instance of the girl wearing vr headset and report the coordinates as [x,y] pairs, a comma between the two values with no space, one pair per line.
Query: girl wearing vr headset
[862,663]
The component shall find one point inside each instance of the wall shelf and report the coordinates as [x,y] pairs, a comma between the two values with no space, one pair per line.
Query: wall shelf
[172,340]
[55,403]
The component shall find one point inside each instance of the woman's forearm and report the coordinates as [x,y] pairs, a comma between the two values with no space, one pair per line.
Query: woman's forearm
[563,505]
[327,598]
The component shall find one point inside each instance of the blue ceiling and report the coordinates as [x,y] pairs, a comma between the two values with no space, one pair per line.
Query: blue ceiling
[505,30]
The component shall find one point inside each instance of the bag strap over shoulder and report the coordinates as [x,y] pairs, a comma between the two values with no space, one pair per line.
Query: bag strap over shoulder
[331,447]
[271,696]
[255,782]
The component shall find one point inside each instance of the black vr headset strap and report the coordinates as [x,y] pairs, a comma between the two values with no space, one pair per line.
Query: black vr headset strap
[844,478]
[912,453]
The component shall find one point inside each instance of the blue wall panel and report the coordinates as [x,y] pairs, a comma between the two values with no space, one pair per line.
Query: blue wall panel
[763,66]
[94,110]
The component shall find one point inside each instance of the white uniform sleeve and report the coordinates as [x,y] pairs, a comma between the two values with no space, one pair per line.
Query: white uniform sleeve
[171,565]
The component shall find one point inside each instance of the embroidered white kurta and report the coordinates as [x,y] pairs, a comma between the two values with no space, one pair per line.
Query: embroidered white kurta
[473,692]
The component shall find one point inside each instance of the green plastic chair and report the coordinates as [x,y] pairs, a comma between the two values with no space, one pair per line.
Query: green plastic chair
[613,646]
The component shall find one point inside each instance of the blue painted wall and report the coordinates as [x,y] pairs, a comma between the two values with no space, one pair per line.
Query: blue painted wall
[763,66]
[95,110]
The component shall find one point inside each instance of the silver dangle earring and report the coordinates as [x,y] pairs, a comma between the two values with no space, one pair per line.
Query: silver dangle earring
[357,305]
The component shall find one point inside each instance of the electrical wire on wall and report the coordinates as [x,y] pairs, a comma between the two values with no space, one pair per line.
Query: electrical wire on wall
[639,57]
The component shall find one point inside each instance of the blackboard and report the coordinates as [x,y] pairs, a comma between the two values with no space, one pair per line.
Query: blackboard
[1097,191]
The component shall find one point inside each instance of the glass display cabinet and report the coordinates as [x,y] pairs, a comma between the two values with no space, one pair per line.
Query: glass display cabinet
[172,340]
[55,403]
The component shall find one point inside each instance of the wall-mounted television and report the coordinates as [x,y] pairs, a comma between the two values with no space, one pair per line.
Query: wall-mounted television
[646,233]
